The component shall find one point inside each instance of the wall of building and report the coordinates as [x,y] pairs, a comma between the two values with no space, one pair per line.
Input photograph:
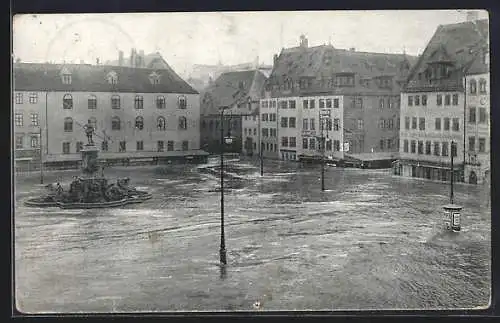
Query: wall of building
[127,113]
[270,142]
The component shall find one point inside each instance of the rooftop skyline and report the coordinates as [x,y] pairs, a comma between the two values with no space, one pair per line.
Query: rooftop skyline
[185,39]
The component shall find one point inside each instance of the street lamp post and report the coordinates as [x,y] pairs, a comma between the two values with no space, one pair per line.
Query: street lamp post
[41,156]
[222,250]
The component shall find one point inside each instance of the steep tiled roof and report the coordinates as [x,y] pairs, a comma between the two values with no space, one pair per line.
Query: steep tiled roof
[458,43]
[94,78]
[323,62]
[232,88]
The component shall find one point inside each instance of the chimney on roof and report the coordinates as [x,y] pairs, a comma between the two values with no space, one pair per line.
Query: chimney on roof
[97,61]
[472,15]
[120,58]
[303,41]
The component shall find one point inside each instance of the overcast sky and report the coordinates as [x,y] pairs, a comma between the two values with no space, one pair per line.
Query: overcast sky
[184,39]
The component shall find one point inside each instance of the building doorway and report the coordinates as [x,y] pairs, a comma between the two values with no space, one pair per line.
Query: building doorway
[472,178]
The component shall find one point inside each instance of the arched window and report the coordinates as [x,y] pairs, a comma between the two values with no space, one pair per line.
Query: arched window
[92,102]
[67,101]
[182,123]
[139,123]
[139,102]
[182,102]
[68,124]
[160,102]
[161,123]
[482,86]
[115,102]
[115,123]
[473,86]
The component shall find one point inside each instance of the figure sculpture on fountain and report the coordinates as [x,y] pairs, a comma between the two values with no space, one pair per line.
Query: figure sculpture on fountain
[89,131]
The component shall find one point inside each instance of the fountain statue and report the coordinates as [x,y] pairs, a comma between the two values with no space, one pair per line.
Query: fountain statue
[91,189]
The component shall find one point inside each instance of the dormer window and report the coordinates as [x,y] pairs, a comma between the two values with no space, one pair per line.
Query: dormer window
[65,76]
[154,78]
[112,78]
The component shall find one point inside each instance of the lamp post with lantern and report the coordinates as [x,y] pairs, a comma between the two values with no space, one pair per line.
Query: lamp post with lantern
[224,140]
[451,210]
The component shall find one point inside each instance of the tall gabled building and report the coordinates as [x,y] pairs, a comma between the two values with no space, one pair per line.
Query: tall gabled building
[240,92]
[436,108]
[359,90]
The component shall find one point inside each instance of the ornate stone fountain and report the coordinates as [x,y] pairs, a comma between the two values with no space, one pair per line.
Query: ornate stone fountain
[91,189]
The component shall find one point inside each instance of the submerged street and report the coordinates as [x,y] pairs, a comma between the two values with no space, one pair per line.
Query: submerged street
[371,241]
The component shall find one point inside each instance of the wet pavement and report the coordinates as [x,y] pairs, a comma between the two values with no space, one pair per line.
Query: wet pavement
[371,241]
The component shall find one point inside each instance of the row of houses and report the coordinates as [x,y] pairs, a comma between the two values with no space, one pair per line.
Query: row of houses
[139,113]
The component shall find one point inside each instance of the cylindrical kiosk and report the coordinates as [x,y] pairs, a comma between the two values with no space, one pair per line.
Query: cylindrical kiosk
[452,217]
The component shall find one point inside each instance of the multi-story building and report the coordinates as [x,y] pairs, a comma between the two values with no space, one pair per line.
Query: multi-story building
[348,97]
[240,93]
[137,112]
[435,104]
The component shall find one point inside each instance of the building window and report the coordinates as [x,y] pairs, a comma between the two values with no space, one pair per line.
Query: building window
[161,123]
[381,123]
[159,145]
[473,86]
[34,119]
[115,102]
[439,99]
[444,149]
[122,147]
[456,126]
[336,145]
[79,146]
[407,123]
[66,78]
[19,98]
[292,142]
[420,147]
[305,104]
[18,118]
[65,147]
[413,146]
[67,101]
[455,99]
[336,124]
[397,123]
[381,102]
[185,145]
[305,124]
[19,141]
[391,123]
[291,103]
[284,104]
[447,99]
[329,124]
[421,124]
[104,145]
[284,122]
[382,144]
[139,145]
[139,123]
[68,124]
[305,143]
[34,141]
[446,124]
[182,123]
[265,132]
[417,100]
[436,148]
[321,103]
[138,102]
[482,86]
[312,143]
[410,101]
[405,145]
[472,143]
[291,122]
[336,103]
[33,98]
[482,115]
[427,147]
[360,124]
[472,114]
[438,124]
[255,131]
[170,145]
[92,102]
[482,145]
[414,123]
[424,99]
[284,141]
[328,103]
[389,144]
[311,104]
[115,123]
[160,102]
